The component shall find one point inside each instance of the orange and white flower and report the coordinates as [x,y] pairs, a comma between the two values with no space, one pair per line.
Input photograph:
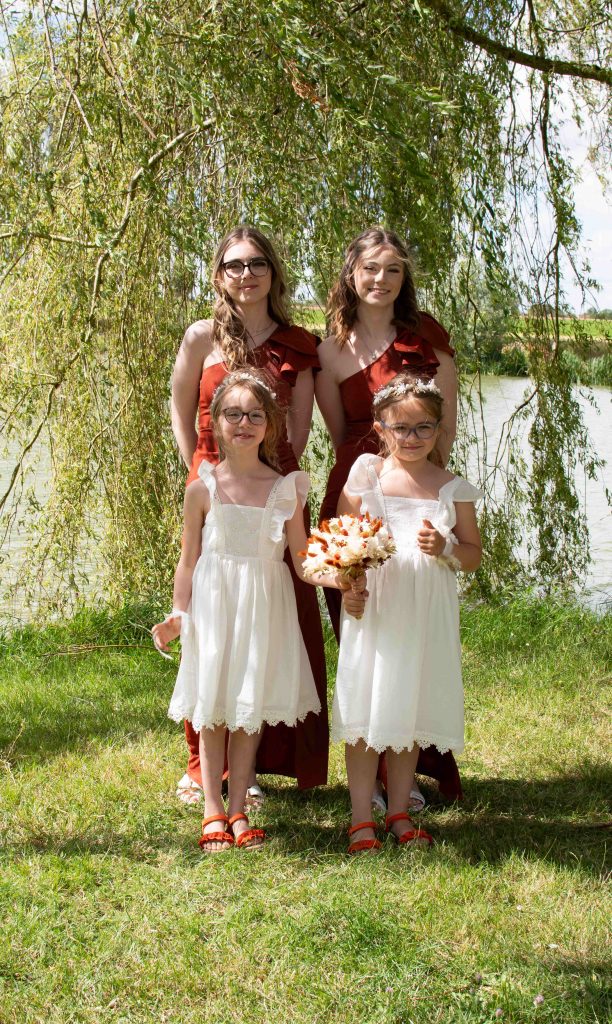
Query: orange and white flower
[348,545]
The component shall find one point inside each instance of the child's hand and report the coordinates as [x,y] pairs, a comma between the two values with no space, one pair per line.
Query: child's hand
[166,631]
[354,601]
[429,540]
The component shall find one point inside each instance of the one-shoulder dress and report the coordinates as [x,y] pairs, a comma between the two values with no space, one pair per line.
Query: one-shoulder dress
[399,669]
[233,669]
[301,752]
[415,351]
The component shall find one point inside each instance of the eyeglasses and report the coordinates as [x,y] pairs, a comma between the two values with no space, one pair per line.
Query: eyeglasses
[255,416]
[424,431]
[258,267]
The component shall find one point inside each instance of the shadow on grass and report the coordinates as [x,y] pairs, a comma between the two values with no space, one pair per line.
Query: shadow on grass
[313,827]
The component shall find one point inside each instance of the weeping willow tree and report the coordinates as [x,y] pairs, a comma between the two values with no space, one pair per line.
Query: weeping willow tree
[134,135]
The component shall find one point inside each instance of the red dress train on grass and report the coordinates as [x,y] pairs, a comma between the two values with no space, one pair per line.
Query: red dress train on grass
[302,752]
[415,351]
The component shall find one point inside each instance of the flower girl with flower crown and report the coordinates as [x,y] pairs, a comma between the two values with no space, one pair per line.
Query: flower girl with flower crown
[244,663]
[398,685]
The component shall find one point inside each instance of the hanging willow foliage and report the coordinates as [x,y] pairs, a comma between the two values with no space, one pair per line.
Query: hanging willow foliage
[135,135]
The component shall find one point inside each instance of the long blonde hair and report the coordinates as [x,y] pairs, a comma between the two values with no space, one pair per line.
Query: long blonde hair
[229,333]
[343,301]
[261,387]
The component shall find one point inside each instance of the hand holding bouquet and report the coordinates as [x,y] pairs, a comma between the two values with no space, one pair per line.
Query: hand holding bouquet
[347,546]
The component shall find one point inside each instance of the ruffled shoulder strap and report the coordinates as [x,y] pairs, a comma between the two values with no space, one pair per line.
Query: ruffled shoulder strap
[456,489]
[292,349]
[433,332]
[363,482]
[206,473]
[284,498]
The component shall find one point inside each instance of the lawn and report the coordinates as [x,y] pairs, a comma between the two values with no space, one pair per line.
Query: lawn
[110,913]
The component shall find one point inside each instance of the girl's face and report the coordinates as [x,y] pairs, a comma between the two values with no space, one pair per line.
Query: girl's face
[246,274]
[242,422]
[378,277]
[409,429]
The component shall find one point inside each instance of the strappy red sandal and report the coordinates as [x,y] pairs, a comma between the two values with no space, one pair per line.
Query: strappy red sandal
[363,844]
[411,835]
[216,837]
[246,838]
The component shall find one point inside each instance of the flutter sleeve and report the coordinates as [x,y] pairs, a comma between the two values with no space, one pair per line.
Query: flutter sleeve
[456,489]
[292,489]
[363,482]
[207,476]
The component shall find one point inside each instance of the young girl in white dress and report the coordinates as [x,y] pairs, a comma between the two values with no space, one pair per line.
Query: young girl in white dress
[243,660]
[399,684]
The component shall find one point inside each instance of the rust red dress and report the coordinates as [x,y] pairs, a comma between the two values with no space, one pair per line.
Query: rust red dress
[413,350]
[301,753]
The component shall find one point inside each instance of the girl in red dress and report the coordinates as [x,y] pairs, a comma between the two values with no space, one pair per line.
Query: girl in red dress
[250,326]
[377,330]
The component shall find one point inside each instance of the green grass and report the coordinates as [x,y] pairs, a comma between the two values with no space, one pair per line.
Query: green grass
[108,911]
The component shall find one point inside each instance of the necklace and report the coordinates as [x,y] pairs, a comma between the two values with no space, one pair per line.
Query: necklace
[255,334]
[376,348]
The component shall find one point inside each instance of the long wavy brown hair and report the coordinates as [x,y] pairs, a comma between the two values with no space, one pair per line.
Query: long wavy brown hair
[261,386]
[407,385]
[343,302]
[229,333]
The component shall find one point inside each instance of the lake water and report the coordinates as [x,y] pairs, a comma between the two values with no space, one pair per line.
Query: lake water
[501,395]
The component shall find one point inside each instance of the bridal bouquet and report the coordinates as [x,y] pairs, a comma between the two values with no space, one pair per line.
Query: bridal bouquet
[348,545]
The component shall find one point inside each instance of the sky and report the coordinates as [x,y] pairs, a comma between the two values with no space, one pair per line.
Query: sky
[595,216]
[594,212]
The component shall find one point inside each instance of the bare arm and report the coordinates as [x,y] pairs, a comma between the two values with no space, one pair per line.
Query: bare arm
[299,416]
[186,385]
[354,593]
[194,513]
[446,379]
[348,504]
[329,398]
[468,551]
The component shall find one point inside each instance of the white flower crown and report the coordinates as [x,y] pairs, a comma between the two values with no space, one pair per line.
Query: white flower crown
[406,387]
[237,377]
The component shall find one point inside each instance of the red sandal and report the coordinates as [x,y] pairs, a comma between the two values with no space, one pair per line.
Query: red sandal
[411,835]
[363,844]
[215,837]
[246,838]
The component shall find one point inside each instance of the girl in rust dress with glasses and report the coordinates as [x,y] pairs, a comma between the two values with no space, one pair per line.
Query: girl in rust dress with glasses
[250,327]
[377,331]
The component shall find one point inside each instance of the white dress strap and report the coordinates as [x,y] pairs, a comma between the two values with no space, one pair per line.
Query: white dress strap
[215,524]
[283,502]
[363,482]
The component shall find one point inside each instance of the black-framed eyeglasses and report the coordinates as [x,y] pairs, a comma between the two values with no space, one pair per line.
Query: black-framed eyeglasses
[258,267]
[424,431]
[255,416]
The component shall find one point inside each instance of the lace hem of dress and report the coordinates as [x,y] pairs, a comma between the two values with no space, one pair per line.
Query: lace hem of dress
[352,736]
[179,713]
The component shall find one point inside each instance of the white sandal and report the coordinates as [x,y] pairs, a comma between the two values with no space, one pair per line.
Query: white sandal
[188,792]
[417,800]
[255,797]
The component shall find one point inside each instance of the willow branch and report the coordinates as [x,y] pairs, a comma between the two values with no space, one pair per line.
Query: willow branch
[21,232]
[150,165]
[553,65]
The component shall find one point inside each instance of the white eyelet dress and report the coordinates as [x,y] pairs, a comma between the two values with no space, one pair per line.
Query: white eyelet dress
[243,659]
[399,668]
